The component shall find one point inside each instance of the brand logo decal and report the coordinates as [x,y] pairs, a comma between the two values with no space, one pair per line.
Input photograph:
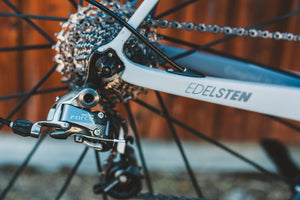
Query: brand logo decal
[81,117]
[219,93]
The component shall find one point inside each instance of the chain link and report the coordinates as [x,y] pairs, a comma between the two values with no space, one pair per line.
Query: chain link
[235,31]
[150,196]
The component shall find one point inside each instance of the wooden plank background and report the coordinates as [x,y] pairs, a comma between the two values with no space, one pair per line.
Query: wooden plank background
[21,70]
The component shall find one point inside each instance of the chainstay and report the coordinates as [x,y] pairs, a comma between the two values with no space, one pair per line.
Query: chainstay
[154,196]
[234,31]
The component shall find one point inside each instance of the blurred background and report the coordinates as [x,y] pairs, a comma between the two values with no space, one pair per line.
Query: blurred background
[29,58]
[21,70]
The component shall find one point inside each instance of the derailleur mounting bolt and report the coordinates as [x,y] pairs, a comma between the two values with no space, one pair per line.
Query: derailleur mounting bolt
[101,115]
[106,71]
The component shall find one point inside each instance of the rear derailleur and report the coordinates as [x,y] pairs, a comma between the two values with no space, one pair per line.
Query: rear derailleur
[103,131]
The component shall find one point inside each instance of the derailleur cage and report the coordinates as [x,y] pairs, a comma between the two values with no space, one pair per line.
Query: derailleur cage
[120,179]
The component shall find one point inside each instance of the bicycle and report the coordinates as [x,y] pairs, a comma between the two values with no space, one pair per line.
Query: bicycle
[107,130]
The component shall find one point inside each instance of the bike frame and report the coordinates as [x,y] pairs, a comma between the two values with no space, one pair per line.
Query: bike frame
[271,99]
[282,101]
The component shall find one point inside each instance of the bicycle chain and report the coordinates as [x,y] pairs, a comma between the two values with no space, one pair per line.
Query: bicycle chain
[234,31]
[154,196]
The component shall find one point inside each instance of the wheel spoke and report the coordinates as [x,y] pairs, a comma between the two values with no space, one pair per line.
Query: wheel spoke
[179,145]
[33,90]
[139,146]
[28,47]
[98,161]
[229,37]
[286,123]
[99,167]
[21,167]
[37,28]
[72,173]
[41,17]
[74,4]
[13,96]
[216,143]
[176,8]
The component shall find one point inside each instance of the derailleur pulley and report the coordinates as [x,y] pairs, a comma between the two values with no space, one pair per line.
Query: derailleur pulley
[120,179]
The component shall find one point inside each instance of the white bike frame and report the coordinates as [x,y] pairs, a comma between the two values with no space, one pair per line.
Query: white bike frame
[271,99]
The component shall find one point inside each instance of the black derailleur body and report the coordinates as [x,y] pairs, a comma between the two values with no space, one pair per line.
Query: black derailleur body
[103,66]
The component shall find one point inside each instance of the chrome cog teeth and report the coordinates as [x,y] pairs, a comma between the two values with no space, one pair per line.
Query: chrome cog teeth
[90,27]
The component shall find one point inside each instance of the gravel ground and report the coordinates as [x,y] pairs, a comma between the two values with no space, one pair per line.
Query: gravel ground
[34,184]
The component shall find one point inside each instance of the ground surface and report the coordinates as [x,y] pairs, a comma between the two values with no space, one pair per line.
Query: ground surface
[34,184]
[220,175]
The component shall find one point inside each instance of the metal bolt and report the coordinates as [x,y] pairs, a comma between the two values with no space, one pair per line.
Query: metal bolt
[123,178]
[227,30]
[215,29]
[265,34]
[101,115]
[97,132]
[188,26]
[163,23]
[240,31]
[106,70]
[289,36]
[78,138]
[277,35]
[57,98]
[176,25]
[66,125]
[201,27]
[252,32]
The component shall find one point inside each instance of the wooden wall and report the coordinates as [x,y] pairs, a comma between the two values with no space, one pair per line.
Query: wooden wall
[21,70]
